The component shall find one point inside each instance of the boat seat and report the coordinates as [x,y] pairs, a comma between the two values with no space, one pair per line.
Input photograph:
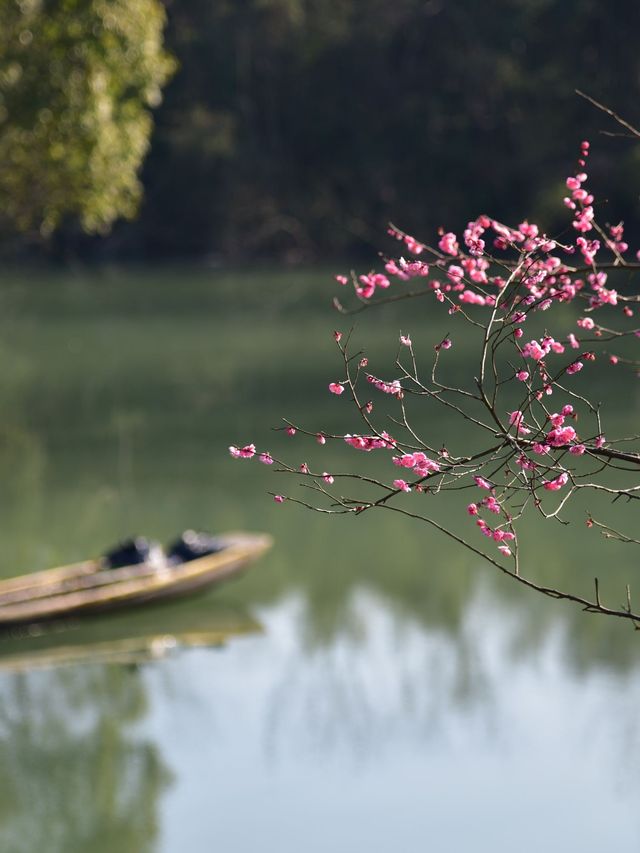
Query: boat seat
[132,552]
[192,545]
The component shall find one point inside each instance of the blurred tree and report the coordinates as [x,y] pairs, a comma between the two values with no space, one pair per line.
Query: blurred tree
[77,79]
[298,128]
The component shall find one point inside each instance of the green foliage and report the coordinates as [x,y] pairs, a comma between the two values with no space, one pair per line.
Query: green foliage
[299,128]
[77,79]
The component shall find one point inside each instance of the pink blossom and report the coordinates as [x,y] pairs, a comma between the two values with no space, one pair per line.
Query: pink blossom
[473,238]
[525,463]
[370,442]
[573,341]
[504,549]
[576,367]
[266,458]
[413,245]
[528,230]
[577,449]
[613,359]
[290,430]
[320,438]
[600,441]
[533,350]
[405,340]
[304,468]
[455,273]
[560,437]
[337,336]
[402,485]
[448,244]
[369,283]
[492,504]
[584,218]
[327,477]
[245,452]
[522,375]
[419,461]
[557,483]
[393,387]
[517,419]
[336,388]
[482,483]
[404,461]
[472,509]
[278,499]
[406,270]
[472,298]
[585,322]
[342,279]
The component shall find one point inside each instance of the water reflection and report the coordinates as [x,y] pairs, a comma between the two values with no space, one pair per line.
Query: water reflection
[77,775]
[393,733]
[129,637]
[397,686]
[79,771]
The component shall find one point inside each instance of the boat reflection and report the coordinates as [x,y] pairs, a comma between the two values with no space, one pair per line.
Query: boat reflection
[154,632]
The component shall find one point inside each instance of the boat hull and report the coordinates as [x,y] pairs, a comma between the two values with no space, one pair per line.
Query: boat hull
[88,587]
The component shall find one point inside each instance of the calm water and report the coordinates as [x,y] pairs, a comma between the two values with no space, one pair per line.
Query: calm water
[366,687]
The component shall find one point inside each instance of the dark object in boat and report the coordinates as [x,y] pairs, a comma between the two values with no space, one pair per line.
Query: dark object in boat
[132,552]
[192,546]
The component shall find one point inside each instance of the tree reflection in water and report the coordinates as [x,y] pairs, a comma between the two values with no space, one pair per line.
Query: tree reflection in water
[77,775]
[387,678]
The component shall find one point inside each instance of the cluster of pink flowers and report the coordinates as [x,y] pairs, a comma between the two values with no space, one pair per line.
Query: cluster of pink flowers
[473,237]
[516,419]
[413,245]
[602,295]
[246,452]
[537,350]
[369,283]
[445,343]
[371,442]
[498,535]
[580,201]
[470,297]
[537,452]
[616,242]
[392,387]
[557,483]
[405,270]
[419,462]
[449,244]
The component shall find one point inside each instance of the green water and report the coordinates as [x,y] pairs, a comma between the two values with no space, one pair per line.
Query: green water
[367,686]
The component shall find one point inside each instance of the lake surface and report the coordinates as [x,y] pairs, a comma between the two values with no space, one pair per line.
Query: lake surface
[368,686]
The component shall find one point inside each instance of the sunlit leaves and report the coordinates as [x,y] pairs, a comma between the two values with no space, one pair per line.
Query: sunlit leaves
[77,81]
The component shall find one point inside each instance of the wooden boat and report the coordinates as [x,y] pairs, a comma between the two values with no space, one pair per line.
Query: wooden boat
[90,586]
[154,632]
